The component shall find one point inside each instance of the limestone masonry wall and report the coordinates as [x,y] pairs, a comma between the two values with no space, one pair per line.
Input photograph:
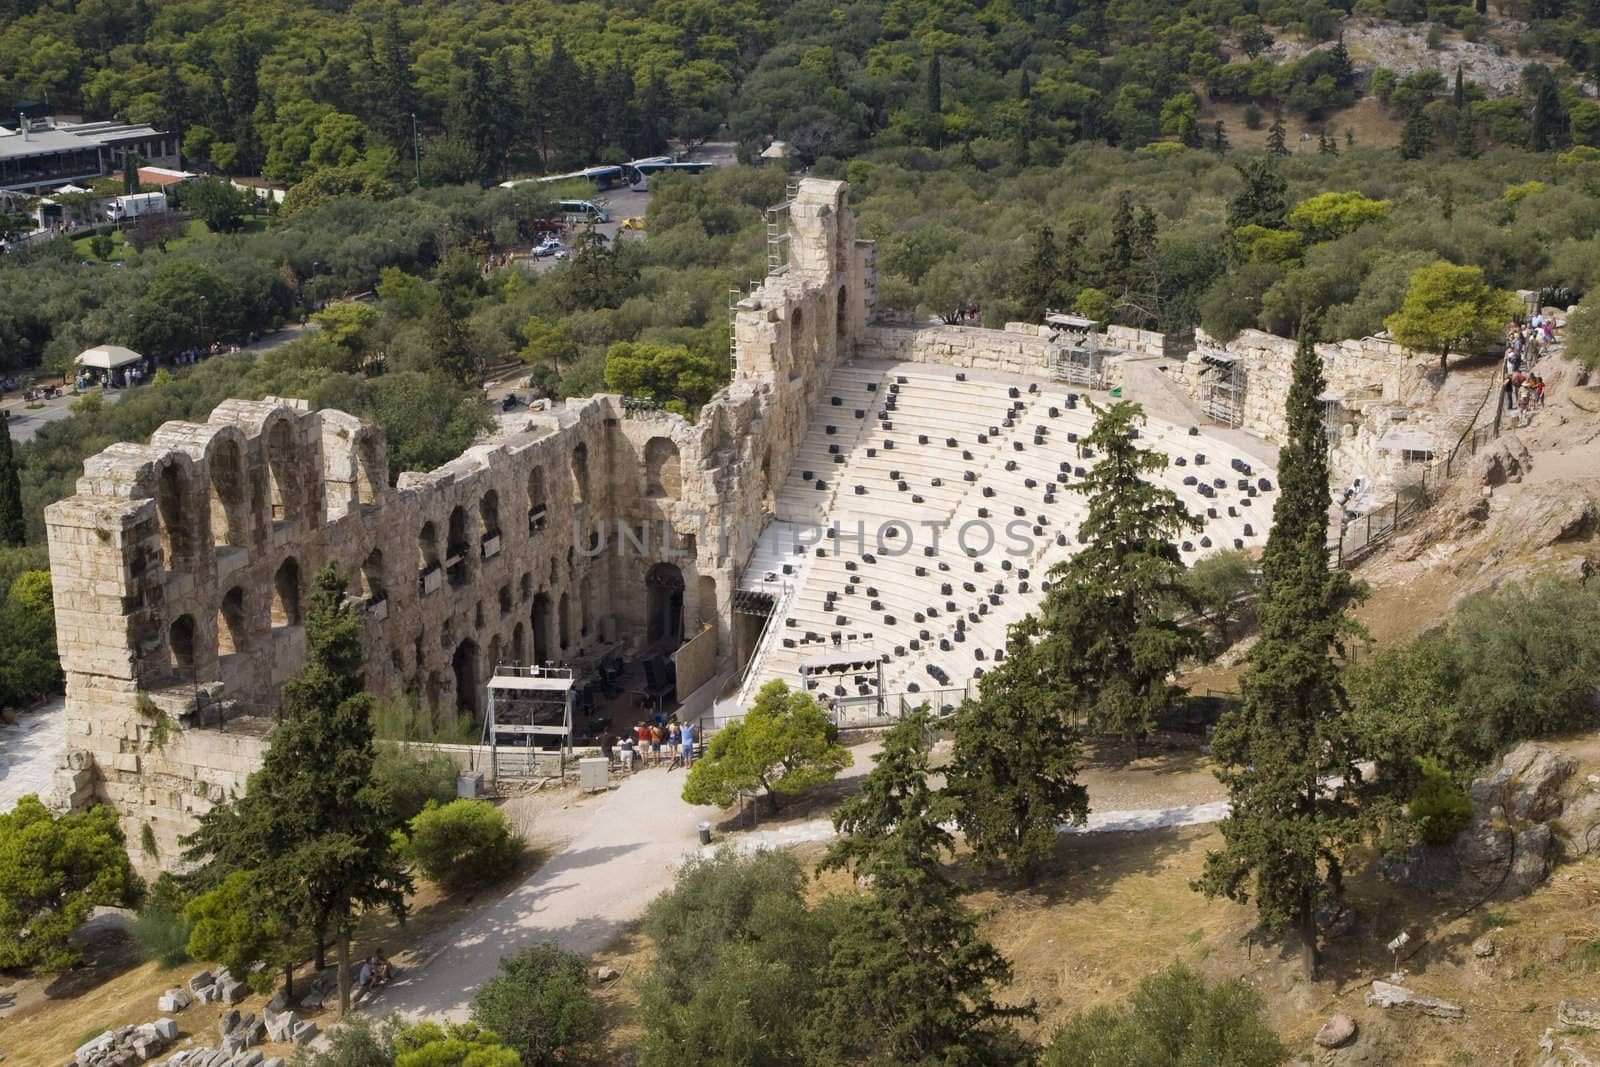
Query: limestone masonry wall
[182,567]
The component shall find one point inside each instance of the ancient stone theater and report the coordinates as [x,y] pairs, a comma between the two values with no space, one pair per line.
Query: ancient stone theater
[861,512]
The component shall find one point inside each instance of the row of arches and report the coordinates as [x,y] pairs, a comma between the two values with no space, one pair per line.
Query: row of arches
[231,502]
[234,629]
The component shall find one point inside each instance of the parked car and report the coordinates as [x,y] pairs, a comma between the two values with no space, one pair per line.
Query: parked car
[633,222]
[550,247]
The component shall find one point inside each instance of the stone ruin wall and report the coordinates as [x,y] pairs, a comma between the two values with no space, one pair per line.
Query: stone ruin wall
[1377,384]
[182,568]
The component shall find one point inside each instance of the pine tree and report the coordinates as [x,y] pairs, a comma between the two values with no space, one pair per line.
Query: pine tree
[1466,134]
[933,103]
[1416,139]
[1027,125]
[1219,138]
[13,525]
[1263,200]
[1287,834]
[1014,775]
[1459,99]
[1277,136]
[1326,146]
[909,977]
[1103,642]
[313,828]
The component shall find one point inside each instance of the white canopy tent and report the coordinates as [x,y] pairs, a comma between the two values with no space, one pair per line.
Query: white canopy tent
[108,357]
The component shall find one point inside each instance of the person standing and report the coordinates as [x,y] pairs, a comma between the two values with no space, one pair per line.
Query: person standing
[655,745]
[687,736]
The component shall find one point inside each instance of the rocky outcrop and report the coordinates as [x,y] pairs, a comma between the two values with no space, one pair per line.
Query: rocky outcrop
[1505,849]
[1503,460]
[1339,1030]
[127,1045]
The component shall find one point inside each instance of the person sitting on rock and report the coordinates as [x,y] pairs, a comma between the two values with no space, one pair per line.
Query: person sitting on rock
[364,975]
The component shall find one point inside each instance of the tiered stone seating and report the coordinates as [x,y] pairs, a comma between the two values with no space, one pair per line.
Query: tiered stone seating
[967,451]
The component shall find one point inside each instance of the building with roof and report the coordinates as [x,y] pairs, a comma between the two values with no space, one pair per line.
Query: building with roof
[38,155]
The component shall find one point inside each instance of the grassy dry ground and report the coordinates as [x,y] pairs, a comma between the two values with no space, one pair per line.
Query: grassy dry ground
[1369,120]
[116,989]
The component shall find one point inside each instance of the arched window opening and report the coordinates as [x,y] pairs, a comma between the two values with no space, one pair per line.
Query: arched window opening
[232,623]
[489,524]
[661,468]
[841,317]
[180,641]
[286,594]
[541,622]
[172,514]
[374,587]
[230,518]
[505,600]
[494,653]
[585,606]
[563,621]
[457,547]
[664,604]
[580,473]
[466,666]
[526,586]
[280,471]
[536,500]
[796,336]
[519,645]
[428,558]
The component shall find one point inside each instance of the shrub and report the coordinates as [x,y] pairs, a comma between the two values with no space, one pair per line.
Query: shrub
[1172,1019]
[414,776]
[539,1005]
[464,842]
[429,1044]
[358,1041]
[1439,808]
[1252,117]
[161,931]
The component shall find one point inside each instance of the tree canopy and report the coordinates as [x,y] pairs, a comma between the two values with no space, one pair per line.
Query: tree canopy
[784,744]
[1447,308]
[54,871]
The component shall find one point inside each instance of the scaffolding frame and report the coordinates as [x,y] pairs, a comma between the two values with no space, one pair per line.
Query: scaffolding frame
[1075,355]
[1222,389]
[845,661]
[524,692]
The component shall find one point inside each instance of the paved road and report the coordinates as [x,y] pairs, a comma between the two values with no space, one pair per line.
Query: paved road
[624,853]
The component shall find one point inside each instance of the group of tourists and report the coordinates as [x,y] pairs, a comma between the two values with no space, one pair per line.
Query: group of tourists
[1523,389]
[647,740]
[374,973]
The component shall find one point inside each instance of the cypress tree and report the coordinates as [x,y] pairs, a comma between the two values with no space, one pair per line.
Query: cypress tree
[909,977]
[1219,138]
[1277,136]
[1287,835]
[313,829]
[13,527]
[1416,139]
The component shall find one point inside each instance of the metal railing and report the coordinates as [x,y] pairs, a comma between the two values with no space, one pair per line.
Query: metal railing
[1364,536]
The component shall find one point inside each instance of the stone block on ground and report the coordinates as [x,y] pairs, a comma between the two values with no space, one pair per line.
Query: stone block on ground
[167,1028]
[276,1061]
[225,1025]
[200,981]
[174,999]
[234,1044]
[231,991]
[280,1025]
[249,1059]
[304,1032]
[605,974]
[1483,948]
[1338,1030]
[1388,995]
[314,999]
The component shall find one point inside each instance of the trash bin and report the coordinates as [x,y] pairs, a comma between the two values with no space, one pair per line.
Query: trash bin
[705,833]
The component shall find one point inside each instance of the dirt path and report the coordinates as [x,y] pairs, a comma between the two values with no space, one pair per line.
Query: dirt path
[624,850]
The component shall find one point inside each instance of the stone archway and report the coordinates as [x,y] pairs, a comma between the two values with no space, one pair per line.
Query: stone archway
[541,620]
[465,664]
[664,604]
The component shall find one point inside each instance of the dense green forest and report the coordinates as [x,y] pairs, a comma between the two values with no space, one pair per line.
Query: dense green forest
[286,88]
